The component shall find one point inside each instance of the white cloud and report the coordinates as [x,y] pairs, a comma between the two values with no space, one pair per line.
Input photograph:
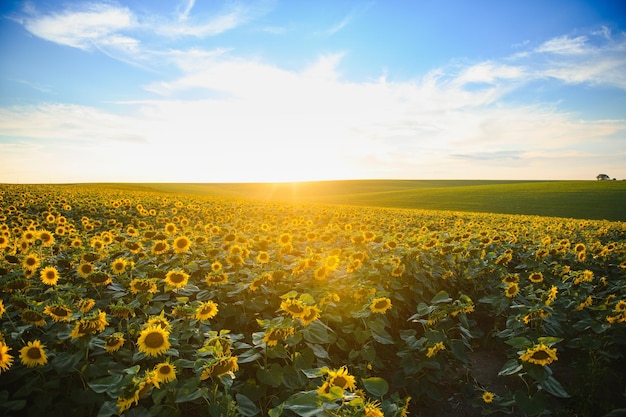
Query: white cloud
[564,45]
[81,28]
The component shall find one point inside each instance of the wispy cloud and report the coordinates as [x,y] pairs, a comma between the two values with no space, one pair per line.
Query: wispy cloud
[347,19]
[80,28]
[186,9]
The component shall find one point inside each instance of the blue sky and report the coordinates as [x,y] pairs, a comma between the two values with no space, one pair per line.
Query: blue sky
[212,91]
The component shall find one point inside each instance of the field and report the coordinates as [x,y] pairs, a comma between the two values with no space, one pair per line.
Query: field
[600,200]
[330,299]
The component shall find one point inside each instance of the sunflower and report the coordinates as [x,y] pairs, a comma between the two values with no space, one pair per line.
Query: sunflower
[2,308]
[153,340]
[311,314]
[85,304]
[49,275]
[4,241]
[620,307]
[341,378]
[118,266]
[536,277]
[273,335]
[436,348]
[176,278]
[216,266]
[33,317]
[159,247]
[488,397]
[551,295]
[214,279]
[47,238]
[294,307]
[221,366]
[380,305]
[160,321]
[512,289]
[114,342]
[31,262]
[372,409]
[263,257]
[182,244]
[58,312]
[100,278]
[284,239]
[320,273]
[398,270]
[6,360]
[539,355]
[170,228]
[85,269]
[164,372]
[33,354]
[138,285]
[206,310]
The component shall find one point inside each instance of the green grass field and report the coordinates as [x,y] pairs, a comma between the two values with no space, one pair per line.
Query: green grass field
[571,199]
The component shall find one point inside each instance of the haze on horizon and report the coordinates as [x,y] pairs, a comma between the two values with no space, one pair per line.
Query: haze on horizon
[267,91]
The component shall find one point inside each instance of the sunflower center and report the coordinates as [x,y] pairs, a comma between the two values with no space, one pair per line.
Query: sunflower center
[540,355]
[154,340]
[50,275]
[340,381]
[177,278]
[60,311]
[165,370]
[34,353]
[380,304]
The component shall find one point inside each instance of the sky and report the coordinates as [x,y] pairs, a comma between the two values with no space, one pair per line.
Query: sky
[269,90]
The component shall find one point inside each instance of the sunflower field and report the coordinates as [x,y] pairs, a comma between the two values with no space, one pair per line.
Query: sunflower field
[160,304]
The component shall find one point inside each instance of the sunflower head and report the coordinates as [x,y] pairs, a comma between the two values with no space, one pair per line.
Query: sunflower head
[380,305]
[153,341]
[33,354]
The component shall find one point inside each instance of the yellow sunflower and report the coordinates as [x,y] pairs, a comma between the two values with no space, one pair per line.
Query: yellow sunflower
[159,247]
[273,335]
[49,275]
[118,266]
[341,378]
[512,289]
[100,278]
[6,360]
[33,317]
[31,262]
[170,228]
[214,279]
[221,366]
[2,308]
[263,257]
[216,266]
[138,285]
[85,269]
[85,304]
[114,342]
[182,244]
[58,312]
[294,307]
[488,397]
[176,278]
[206,310]
[47,238]
[436,348]
[164,372]
[311,314]
[153,340]
[321,273]
[380,305]
[33,354]
[539,355]
[284,239]
[372,409]
[536,277]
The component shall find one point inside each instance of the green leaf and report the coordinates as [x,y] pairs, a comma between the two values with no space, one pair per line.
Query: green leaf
[441,297]
[65,362]
[272,376]
[304,404]
[511,367]
[105,384]
[519,342]
[185,393]
[245,406]
[108,409]
[554,387]
[458,350]
[316,332]
[376,386]
[549,340]
[531,406]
